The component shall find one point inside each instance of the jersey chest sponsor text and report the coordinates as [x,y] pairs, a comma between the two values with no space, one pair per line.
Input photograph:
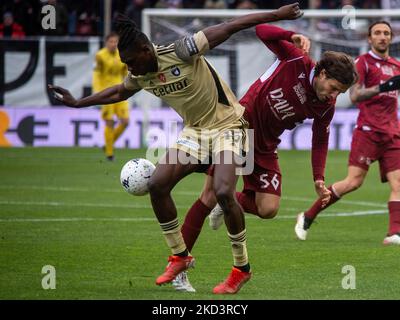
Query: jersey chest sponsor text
[279,105]
[169,88]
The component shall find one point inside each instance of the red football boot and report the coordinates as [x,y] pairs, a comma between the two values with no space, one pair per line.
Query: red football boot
[175,266]
[232,284]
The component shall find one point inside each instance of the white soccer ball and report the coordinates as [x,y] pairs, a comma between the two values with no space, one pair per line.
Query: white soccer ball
[135,175]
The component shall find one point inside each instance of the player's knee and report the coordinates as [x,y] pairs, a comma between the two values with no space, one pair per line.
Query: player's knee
[267,211]
[395,185]
[225,199]
[157,187]
[208,198]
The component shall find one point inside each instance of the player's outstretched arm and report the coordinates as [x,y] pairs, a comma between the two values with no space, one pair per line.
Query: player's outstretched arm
[319,152]
[358,94]
[221,32]
[113,94]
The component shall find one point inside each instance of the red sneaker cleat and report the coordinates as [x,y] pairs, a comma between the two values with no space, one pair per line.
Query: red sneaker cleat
[175,266]
[233,282]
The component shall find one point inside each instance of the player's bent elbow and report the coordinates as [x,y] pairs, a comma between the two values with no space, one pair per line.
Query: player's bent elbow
[354,96]
[354,99]
[259,28]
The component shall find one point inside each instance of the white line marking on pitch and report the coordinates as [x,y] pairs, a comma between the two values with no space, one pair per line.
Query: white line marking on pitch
[181,193]
[138,219]
[80,204]
[125,206]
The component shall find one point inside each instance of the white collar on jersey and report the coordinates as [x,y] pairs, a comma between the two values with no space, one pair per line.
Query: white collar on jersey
[312,75]
[374,55]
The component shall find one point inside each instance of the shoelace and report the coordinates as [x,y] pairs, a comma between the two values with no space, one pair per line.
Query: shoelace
[183,276]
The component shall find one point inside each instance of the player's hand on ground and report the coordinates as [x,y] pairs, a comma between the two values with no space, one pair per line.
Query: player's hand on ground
[63,95]
[289,12]
[301,42]
[390,85]
[323,192]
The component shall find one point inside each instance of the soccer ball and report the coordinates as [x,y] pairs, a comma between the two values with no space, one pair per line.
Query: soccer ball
[135,174]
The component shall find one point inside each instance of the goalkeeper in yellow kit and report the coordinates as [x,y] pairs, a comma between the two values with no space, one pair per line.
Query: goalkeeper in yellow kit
[110,71]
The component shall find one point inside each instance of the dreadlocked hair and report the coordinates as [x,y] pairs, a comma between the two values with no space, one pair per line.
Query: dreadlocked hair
[129,33]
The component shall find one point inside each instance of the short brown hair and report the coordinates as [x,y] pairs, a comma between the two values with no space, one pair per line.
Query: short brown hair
[338,66]
[380,22]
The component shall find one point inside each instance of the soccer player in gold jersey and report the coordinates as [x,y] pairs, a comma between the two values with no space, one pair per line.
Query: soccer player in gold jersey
[214,127]
[110,71]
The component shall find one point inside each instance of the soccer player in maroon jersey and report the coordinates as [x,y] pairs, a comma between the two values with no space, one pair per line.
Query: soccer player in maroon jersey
[293,89]
[377,133]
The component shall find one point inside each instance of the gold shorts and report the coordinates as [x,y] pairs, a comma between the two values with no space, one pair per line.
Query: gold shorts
[205,145]
[120,109]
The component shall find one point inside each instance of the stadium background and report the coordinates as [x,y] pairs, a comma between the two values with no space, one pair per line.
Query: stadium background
[64,206]
[65,57]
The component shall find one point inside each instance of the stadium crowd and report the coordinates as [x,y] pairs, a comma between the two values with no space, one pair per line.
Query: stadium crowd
[21,18]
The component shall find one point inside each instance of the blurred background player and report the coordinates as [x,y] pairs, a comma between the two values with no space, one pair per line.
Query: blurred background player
[110,71]
[293,89]
[377,133]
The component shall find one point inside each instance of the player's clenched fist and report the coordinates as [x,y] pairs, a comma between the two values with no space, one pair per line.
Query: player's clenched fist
[289,12]
[323,193]
[301,42]
[63,95]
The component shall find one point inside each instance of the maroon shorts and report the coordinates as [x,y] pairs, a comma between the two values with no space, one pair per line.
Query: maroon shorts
[262,179]
[369,146]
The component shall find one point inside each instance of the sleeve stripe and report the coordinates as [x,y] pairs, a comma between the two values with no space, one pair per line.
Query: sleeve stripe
[190,44]
[165,52]
[221,94]
[169,48]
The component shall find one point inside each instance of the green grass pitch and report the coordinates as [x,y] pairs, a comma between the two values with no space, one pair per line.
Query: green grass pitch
[66,208]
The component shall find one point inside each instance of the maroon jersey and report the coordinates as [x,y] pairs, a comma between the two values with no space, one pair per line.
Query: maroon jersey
[380,112]
[283,97]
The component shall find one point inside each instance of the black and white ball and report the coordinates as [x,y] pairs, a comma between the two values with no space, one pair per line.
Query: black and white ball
[135,175]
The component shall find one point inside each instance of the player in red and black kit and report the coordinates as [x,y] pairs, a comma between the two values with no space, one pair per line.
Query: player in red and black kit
[293,89]
[377,134]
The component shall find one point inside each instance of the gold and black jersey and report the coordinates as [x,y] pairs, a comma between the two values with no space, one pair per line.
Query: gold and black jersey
[187,82]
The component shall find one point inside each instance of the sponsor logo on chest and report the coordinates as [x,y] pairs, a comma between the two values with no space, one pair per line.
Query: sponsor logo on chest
[300,92]
[175,71]
[387,70]
[279,105]
[163,90]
